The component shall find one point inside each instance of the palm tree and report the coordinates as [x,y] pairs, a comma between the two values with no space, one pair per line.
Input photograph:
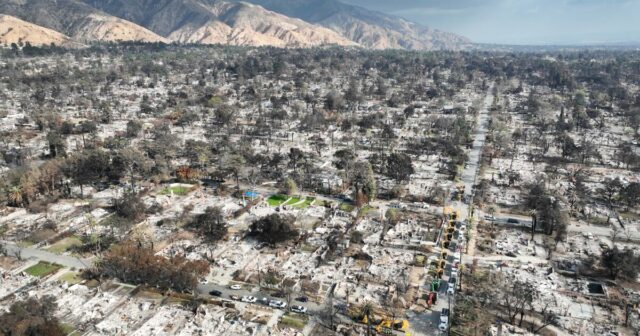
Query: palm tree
[15,196]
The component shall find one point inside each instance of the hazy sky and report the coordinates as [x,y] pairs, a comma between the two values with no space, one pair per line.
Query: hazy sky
[523,21]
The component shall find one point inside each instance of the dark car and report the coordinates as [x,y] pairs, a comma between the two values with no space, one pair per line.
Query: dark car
[278,294]
[215,293]
[302,299]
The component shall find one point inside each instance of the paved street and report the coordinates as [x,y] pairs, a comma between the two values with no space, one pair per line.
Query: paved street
[427,323]
[205,288]
[28,252]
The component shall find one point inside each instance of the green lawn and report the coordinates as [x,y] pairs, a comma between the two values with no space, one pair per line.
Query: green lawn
[25,243]
[71,278]
[293,320]
[346,207]
[42,269]
[307,202]
[365,210]
[293,200]
[67,329]
[177,190]
[64,244]
[276,200]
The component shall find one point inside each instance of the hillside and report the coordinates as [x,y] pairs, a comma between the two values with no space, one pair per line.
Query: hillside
[77,20]
[280,23]
[368,28]
[210,22]
[14,30]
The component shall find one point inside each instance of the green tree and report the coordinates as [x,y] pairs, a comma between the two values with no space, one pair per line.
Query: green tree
[399,167]
[133,128]
[621,263]
[274,229]
[130,206]
[211,224]
[32,317]
[363,182]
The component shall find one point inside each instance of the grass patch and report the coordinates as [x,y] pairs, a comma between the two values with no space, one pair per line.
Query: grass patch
[365,210]
[42,269]
[307,203]
[64,245]
[293,320]
[630,215]
[293,201]
[600,221]
[71,278]
[149,294]
[177,190]
[25,243]
[308,248]
[67,329]
[276,200]
[346,207]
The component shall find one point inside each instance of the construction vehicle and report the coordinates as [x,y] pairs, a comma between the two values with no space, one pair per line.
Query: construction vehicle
[438,263]
[436,272]
[382,325]
[387,326]
[432,298]
[435,285]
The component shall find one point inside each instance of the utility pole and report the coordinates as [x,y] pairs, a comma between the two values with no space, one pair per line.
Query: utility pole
[259,278]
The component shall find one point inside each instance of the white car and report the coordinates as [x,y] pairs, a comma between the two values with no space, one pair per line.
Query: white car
[277,304]
[235,287]
[299,309]
[443,326]
[451,290]
[249,299]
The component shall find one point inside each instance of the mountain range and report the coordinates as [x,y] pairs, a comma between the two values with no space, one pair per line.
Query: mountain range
[280,23]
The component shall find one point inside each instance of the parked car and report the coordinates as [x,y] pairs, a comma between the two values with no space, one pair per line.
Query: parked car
[235,287]
[277,304]
[444,323]
[278,294]
[302,299]
[264,301]
[249,299]
[451,289]
[444,312]
[234,297]
[215,293]
[299,309]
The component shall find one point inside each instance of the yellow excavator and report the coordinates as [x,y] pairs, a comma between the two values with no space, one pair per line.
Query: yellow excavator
[382,325]
[387,326]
